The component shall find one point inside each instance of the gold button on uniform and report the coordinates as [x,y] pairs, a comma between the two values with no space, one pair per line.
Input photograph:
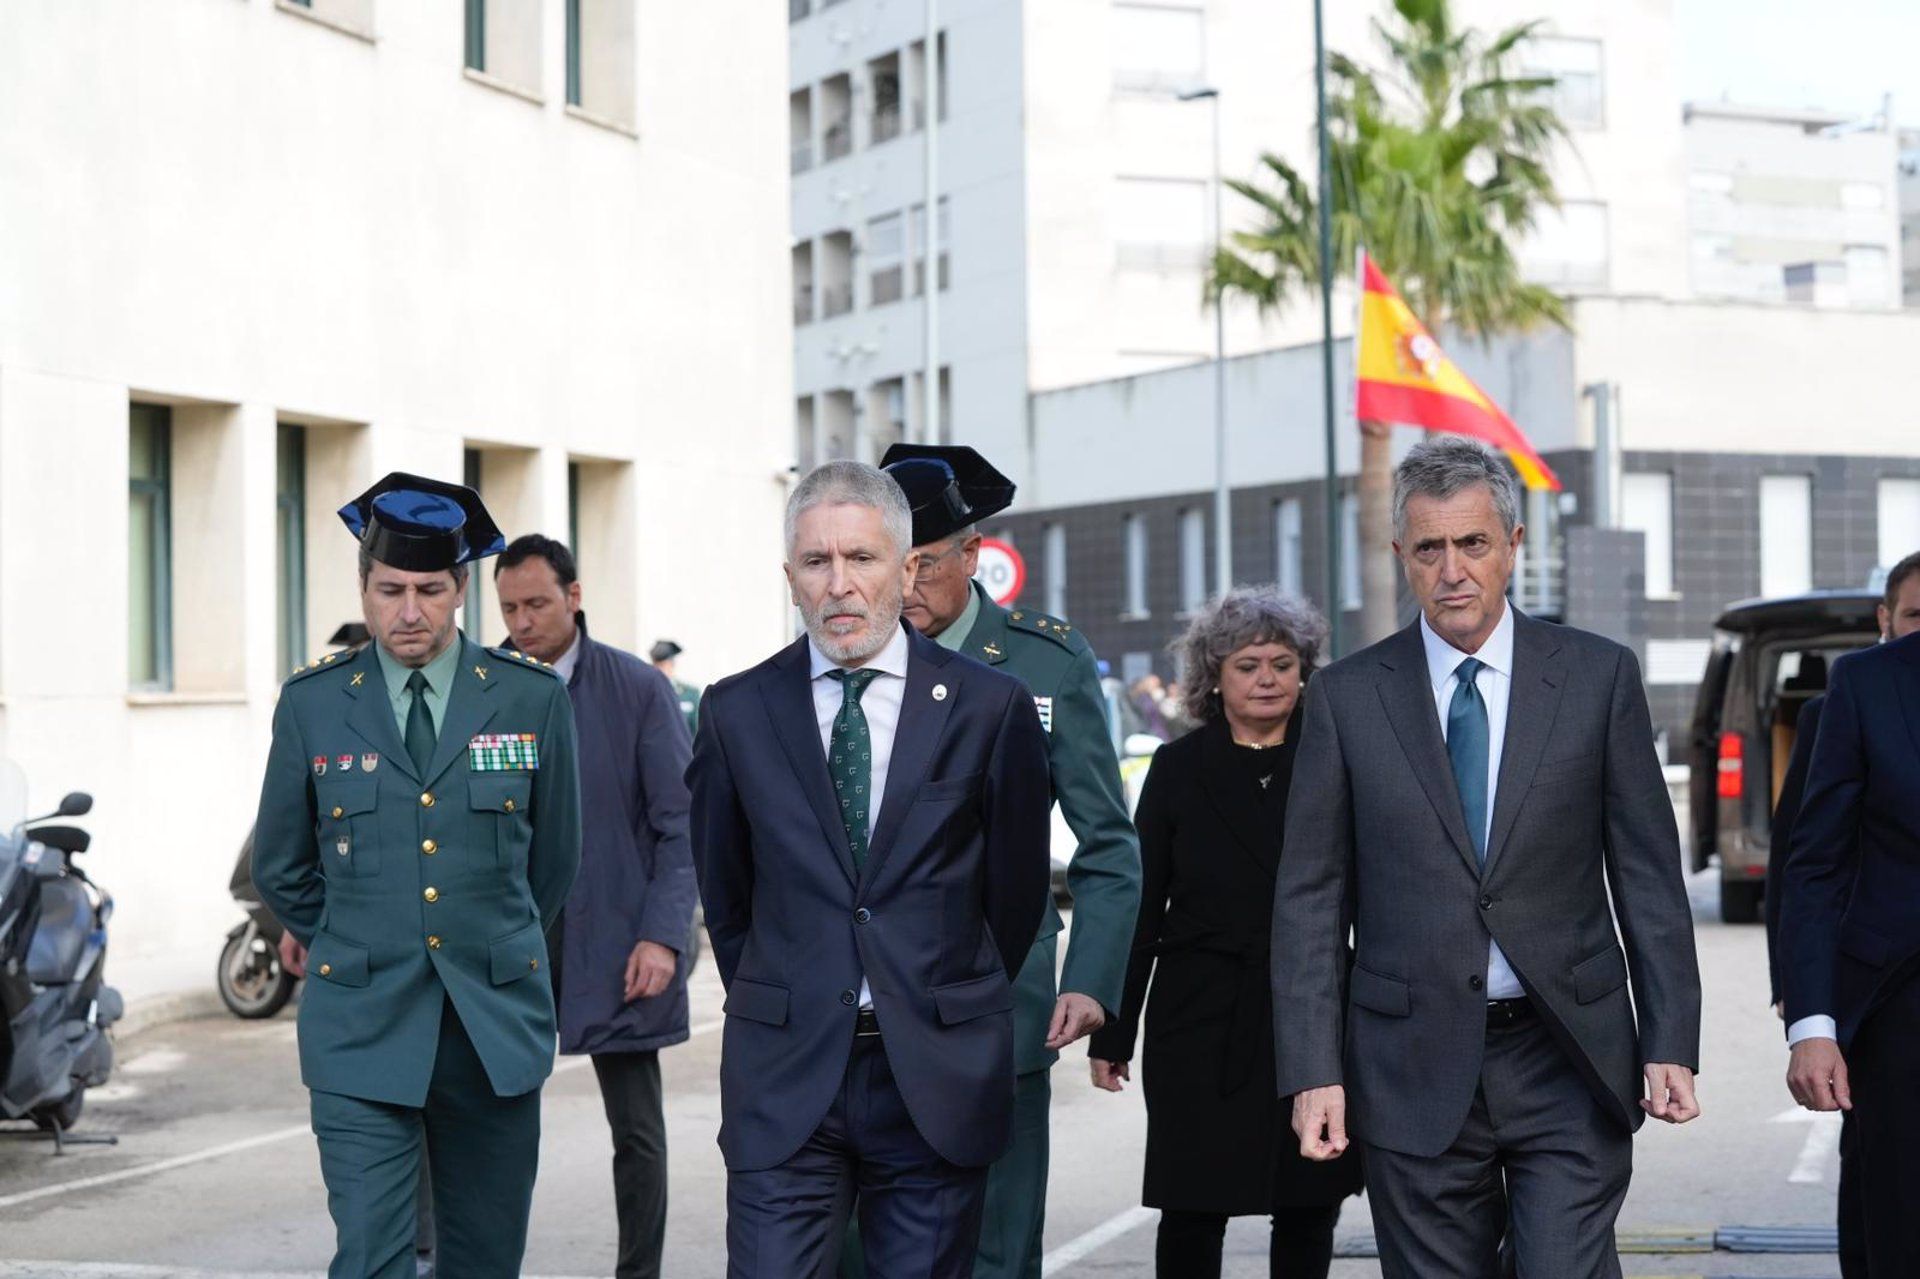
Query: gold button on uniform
[339,811]
[509,806]
[428,847]
[433,942]
[426,800]
[535,963]
[326,970]
[432,894]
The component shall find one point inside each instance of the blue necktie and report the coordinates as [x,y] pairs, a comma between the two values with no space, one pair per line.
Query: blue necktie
[1467,748]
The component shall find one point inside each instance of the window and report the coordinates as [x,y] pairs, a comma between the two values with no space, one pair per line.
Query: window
[352,16]
[835,268]
[917,84]
[887,417]
[470,469]
[149,547]
[798,9]
[917,215]
[1646,507]
[1053,550]
[836,116]
[1287,572]
[800,129]
[573,511]
[1567,247]
[883,81]
[503,42]
[1158,49]
[1350,595]
[1579,89]
[1786,534]
[803,433]
[1193,560]
[1899,520]
[886,263]
[290,543]
[1160,222]
[803,283]
[1134,531]
[600,58]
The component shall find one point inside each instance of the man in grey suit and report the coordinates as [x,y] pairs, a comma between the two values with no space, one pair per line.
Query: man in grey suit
[1479,795]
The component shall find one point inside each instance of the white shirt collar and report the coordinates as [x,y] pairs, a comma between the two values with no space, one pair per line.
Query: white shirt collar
[1443,658]
[565,663]
[891,660]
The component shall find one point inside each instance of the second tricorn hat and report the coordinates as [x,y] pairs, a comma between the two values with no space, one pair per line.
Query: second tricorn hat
[948,487]
[421,525]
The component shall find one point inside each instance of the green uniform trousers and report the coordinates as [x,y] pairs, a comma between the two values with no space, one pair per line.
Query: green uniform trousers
[1016,1209]
[483,1151]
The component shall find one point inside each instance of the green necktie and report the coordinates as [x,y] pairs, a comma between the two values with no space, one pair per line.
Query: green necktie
[1467,747]
[420,734]
[850,760]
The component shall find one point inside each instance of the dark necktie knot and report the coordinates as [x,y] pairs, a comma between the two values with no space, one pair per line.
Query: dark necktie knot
[855,682]
[417,683]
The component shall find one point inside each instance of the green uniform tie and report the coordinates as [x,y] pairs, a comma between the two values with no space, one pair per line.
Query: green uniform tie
[420,734]
[850,761]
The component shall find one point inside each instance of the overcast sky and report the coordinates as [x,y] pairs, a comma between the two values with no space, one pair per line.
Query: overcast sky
[1838,54]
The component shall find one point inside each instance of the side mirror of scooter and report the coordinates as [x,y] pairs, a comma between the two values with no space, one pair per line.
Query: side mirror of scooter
[76,804]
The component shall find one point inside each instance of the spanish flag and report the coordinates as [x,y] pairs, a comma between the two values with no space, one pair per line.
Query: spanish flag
[1405,378]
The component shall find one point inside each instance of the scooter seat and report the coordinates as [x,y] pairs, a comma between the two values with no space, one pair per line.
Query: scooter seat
[66,921]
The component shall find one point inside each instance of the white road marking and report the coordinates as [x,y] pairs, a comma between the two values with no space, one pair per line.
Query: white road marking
[1099,1237]
[157,1166]
[157,1062]
[133,1270]
[1821,1146]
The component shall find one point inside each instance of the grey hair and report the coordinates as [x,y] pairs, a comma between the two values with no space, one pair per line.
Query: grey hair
[459,571]
[1245,615]
[1442,466]
[845,483]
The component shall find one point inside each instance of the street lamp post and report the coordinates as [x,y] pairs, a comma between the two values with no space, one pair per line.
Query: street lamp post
[1326,329]
[1222,493]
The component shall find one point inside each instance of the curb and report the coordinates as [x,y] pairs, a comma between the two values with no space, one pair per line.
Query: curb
[145,1014]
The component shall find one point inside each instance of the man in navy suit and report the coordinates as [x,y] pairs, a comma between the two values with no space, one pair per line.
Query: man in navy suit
[1850,935]
[870,826]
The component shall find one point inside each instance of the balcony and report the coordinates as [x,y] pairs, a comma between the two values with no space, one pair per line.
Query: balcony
[836,299]
[802,304]
[837,141]
[886,124]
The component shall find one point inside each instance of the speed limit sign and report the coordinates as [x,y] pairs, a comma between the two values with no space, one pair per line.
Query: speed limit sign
[1001,571]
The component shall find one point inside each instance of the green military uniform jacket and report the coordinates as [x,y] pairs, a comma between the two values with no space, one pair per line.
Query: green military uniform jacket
[1056,663]
[411,889]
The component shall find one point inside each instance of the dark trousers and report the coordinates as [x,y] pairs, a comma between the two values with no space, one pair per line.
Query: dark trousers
[630,1091]
[1301,1247]
[1537,1161]
[483,1151]
[1884,1072]
[1851,1213]
[919,1214]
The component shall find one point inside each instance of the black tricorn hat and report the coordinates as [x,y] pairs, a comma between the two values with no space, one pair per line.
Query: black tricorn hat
[948,487]
[422,526]
[350,635]
[663,650]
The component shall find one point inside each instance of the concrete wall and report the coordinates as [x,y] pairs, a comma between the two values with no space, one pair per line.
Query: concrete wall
[255,216]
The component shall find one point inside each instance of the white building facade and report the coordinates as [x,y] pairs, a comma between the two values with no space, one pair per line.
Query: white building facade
[255,254]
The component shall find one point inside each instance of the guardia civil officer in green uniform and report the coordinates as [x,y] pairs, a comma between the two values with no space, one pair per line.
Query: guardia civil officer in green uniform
[951,489]
[419,827]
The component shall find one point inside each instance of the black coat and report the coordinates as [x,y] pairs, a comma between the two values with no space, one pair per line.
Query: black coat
[1218,1138]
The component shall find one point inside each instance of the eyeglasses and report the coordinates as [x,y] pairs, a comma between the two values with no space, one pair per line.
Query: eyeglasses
[929,567]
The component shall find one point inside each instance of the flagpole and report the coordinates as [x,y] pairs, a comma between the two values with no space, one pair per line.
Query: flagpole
[1332,481]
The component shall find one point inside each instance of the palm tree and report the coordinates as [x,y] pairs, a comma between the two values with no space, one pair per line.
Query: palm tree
[1438,163]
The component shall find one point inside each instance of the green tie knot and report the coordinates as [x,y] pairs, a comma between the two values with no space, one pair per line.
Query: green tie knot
[855,682]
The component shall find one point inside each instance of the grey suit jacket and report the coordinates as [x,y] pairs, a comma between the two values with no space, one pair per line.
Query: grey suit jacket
[1583,832]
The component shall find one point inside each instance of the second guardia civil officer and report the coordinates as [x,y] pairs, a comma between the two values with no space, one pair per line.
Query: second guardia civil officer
[951,489]
[419,828]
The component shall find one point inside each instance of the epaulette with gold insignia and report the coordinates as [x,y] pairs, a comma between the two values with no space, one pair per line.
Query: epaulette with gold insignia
[325,662]
[1061,633]
[514,657]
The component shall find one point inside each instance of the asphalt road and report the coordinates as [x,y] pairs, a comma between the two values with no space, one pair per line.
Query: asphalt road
[216,1174]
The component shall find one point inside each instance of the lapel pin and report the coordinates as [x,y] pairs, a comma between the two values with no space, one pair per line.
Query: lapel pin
[939,692]
[481,671]
[357,677]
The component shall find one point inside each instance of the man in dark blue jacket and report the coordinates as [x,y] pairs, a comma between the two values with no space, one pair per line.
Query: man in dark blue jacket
[1850,934]
[618,964]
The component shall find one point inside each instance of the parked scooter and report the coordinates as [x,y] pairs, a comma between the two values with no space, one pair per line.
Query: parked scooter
[54,1044]
[253,983]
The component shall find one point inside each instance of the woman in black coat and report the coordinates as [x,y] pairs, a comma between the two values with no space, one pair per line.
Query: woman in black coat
[1219,1142]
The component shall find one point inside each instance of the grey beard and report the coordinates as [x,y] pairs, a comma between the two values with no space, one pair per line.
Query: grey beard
[880,628]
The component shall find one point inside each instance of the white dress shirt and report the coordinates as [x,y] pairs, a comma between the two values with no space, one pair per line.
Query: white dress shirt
[563,665]
[881,706]
[1495,684]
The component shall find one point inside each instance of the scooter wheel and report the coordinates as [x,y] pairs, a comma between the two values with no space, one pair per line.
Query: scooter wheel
[63,1114]
[252,983]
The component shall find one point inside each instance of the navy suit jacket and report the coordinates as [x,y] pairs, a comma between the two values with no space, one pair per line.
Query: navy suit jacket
[1850,916]
[938,921]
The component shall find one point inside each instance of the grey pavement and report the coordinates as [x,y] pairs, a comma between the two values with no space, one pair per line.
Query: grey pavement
[216,1174]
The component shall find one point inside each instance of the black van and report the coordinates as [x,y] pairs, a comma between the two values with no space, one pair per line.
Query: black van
[1769,657]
